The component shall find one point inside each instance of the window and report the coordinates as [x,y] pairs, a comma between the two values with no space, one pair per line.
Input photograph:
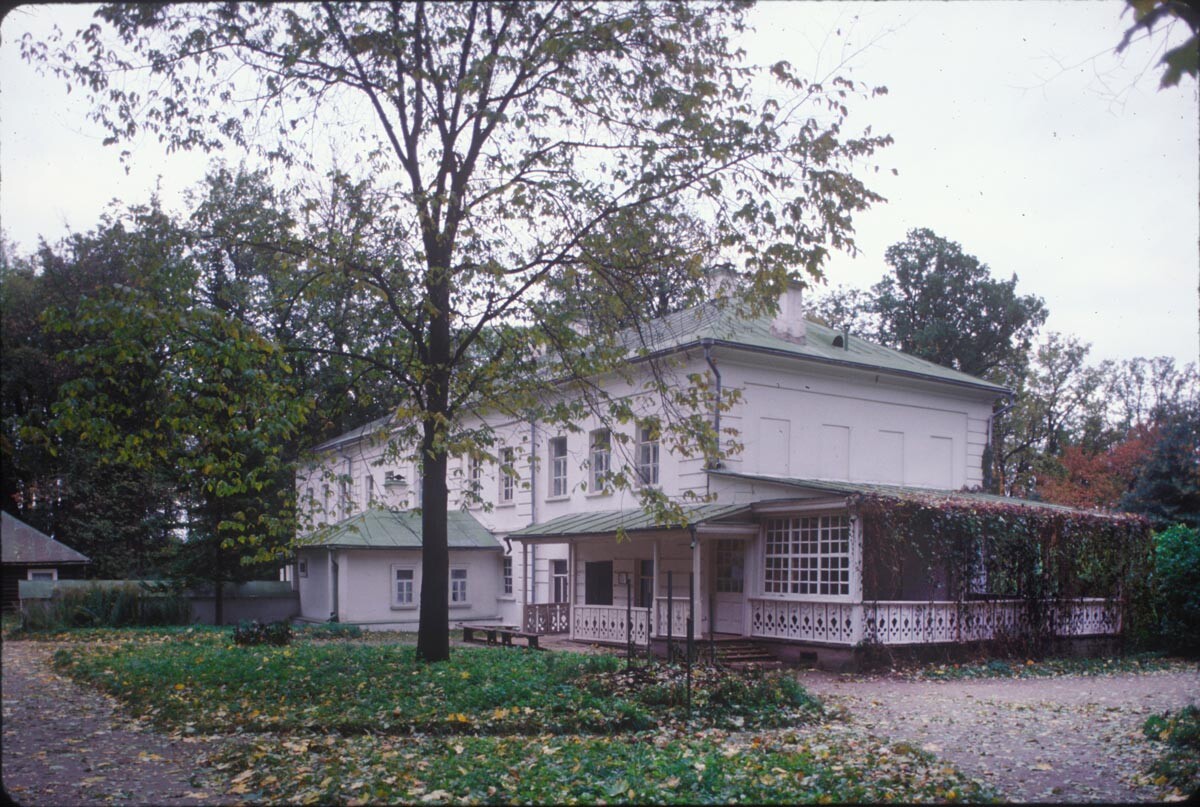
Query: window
[42,574]
[644,594]
[368,490]
[507,572]
[403,583]
[558,569]
[458,586]
[729,558]
[807,555]
[647,454]
[508,480]
[598,583]
[600,454]
[302,567]
[558,466]
[474,479]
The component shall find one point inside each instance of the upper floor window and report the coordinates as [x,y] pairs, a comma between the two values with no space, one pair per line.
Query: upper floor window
[600,457]
[807,555]
[647,454]
[368,489]
[558,466]
[508,481]
[474,477]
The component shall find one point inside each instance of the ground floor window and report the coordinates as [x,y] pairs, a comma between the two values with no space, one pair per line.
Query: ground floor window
[508,574]
[42,574]
[458,586]
[807,555]
[729,560]
[403,580]
[559,577]
[598,582]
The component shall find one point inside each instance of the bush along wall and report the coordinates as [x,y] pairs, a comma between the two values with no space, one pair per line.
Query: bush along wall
[926,547]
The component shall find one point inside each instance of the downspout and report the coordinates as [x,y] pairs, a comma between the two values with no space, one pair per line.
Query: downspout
[707,344]
[531,551]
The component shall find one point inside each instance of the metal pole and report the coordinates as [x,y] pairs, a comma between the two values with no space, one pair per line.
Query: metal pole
[690,638]
[670,617]
[712,636]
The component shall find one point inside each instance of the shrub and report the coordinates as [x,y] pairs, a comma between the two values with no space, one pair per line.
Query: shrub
[1177,588]
[1179,765]
[254,632]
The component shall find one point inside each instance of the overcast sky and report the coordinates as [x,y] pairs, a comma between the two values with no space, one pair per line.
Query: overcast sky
[1018,133]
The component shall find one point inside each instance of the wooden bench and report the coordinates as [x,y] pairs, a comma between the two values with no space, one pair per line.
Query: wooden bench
[498,634]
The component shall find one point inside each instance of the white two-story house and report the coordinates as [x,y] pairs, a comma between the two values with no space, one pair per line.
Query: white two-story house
[772,548]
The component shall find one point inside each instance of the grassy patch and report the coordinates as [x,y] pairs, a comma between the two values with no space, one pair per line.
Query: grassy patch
[206,684]
[1047,668]
[653,768]
[1178,766]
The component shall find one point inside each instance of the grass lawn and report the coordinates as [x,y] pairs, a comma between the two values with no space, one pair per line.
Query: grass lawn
[348,721]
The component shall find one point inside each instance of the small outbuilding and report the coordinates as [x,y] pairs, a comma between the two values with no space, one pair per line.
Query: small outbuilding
[29,554]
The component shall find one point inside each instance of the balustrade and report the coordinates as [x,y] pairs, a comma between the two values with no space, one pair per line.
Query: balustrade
[609,623]
[546,617]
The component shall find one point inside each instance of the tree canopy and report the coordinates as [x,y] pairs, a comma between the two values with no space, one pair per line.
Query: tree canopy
[485,150]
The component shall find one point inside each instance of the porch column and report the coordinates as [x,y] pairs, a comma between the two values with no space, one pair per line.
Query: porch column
[700,612]
[856,578]
[572,580]
[654,626]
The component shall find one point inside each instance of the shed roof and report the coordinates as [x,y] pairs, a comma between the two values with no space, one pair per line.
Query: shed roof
[21,543]
[399,529]
[931,495]
[630,520]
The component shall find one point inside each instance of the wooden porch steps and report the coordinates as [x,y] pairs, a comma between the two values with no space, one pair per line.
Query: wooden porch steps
[745,653]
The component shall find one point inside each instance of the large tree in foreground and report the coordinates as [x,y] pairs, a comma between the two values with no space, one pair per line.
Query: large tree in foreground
[483,147]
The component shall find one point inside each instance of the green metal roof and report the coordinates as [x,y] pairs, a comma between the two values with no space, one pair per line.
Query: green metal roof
[726,326]
[388,529]
[903,492]
[632,520]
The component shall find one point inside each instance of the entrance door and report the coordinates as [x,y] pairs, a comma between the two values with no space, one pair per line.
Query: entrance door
[729,563]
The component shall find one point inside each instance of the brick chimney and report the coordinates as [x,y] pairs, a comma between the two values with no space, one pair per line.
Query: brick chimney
[789,317]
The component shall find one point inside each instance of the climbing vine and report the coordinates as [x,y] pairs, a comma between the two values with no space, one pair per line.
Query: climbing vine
[929,547]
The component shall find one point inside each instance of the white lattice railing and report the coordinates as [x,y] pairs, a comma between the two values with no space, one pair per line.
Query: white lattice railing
[546,617]
[679,616]
[804,621]
[894,623]
[924,622]
[609,623]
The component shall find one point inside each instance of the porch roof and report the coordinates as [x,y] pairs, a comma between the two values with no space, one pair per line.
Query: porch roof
[930,495]
[632,520]
[399,529]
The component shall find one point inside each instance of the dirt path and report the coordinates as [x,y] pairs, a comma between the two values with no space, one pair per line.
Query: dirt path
[68,745]
[1072,739]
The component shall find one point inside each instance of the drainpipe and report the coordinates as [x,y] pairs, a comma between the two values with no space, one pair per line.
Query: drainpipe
[707,344]
[531,549]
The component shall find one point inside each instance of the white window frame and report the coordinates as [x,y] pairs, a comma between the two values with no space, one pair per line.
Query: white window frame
[560,581]
[53,572]
[808,557]
[558,467]
[368,490]
[397,603]
[599,458]
[508,482]
[302,567]
[647,463]
[459,592]
[506,576]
